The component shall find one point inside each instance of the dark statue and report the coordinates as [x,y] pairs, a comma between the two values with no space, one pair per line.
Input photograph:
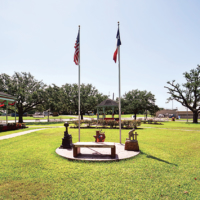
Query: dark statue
[67,140]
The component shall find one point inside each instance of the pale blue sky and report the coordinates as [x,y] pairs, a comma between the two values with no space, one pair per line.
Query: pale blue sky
[160,41]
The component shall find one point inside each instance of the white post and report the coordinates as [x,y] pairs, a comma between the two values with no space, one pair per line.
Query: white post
[15,112]
[119,92]
[7,112]
[79,107]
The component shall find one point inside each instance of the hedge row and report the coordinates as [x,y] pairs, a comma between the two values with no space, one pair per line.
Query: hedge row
[111,123]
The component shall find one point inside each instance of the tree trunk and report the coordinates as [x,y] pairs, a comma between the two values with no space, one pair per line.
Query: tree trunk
[135,115]
[81,116]
[20,116]
[195,117]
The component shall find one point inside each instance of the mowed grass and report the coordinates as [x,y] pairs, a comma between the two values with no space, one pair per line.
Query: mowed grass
[174,125]
[168,167]
[33,118]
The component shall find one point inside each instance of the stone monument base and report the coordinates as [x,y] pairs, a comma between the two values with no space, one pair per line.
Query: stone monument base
[131,145]
[66,142]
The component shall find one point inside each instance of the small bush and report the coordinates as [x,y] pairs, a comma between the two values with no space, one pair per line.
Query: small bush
[88,122]
[150,121]
[116,123]
[76,123]
[111,123]
[139,121]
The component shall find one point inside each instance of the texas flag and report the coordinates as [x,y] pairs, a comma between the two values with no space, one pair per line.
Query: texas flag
[117,46]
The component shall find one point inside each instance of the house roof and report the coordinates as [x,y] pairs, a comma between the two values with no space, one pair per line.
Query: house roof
[107,103]
[5,96]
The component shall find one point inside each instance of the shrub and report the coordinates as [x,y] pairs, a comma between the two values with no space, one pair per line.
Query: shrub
[88,122]
[116,123]
[150,121]
[122,123]
[93,121]
[104,123]
[111,123]
[76,123]
[128,123]
[135,124]
[139,121]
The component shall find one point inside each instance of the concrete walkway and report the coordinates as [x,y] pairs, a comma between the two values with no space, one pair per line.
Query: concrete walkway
[18,134]
[41,120]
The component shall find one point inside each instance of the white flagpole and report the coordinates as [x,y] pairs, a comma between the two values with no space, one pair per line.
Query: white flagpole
[79,90]
[119,92]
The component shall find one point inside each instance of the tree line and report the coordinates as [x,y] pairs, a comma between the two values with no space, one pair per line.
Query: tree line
[34,95]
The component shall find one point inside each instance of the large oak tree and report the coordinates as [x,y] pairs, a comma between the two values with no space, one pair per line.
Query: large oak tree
[28,91]
[137,101]
[89,98]
[188,94]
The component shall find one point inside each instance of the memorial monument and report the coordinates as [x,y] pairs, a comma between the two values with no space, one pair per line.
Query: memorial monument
[67,140]
[131,143]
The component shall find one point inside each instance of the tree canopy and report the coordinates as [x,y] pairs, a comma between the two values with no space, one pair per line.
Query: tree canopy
[89,96]
[137,101]
[28,91]
[188,94]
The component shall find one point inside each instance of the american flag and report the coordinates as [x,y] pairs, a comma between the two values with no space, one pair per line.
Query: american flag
[118,44]
[76,53]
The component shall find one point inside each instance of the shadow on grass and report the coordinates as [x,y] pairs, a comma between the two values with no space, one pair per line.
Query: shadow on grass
[158,159]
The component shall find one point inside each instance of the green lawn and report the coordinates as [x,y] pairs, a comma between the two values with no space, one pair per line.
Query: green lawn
[174,125]
[33,118]
[167,168]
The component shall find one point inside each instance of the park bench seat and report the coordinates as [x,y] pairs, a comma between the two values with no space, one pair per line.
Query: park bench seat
[78,145]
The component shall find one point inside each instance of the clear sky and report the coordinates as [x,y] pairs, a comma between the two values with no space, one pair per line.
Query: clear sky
[160,41]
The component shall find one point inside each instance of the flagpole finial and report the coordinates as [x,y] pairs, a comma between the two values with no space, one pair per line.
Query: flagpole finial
[79,26]
[118,23]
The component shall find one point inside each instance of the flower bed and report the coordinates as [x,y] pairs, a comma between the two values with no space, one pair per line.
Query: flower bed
[11,126]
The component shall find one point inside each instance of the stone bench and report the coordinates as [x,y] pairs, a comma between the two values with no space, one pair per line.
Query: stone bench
[78,145]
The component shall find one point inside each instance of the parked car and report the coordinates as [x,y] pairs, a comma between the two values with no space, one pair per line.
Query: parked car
[55,114]
[13,115]
[161,116]
[171,115]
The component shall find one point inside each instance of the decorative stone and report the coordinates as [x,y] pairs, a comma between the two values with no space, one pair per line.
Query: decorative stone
[67,140]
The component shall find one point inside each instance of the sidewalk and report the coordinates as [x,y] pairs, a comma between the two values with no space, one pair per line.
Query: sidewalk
[41,120]
[18,134]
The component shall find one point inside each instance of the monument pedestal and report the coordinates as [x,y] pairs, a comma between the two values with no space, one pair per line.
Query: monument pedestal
[67,140]
[131,145]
